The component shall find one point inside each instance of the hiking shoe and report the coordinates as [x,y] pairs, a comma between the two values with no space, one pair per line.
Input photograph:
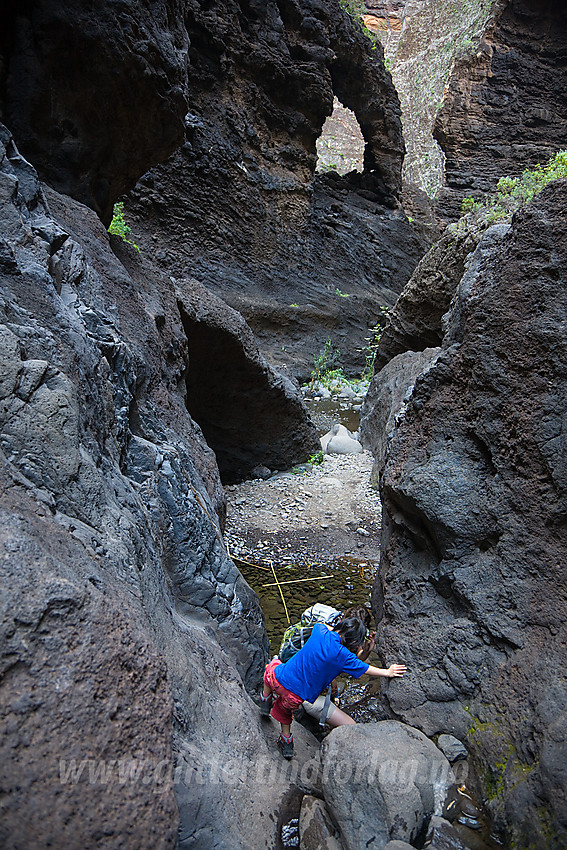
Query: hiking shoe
[265,707]
[286,748]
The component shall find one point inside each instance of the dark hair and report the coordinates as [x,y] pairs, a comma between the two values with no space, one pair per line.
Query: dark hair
[352,631]
[359,611]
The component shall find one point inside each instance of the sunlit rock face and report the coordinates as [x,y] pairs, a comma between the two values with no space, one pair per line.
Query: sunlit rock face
[472,582]
[422,40]
[506,104]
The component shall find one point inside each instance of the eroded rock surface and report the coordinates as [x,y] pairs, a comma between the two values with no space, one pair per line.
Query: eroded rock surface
[474,503]
[128,635]
[93,96]
[238,206]
[506,103]
[382,782]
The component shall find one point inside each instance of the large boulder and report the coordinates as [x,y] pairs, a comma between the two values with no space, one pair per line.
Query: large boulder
[474,498]
[250,414]
[382,782]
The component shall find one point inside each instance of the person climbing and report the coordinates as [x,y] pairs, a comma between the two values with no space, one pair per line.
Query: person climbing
[325,709]
[329,651]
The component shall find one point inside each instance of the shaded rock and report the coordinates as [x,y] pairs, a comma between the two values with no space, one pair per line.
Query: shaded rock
[474,499]
[316,829]
[441,835]
[248,412]
[452,748]
[505,105]
[239,206]
[123,112]
[382,781]
[397,845]
[127,636]
[415,322]
[387,396]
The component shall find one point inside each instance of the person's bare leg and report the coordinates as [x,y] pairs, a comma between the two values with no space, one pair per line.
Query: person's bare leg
[340,718]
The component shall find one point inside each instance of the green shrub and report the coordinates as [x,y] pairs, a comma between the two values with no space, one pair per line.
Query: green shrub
[325,362]
[316,459]
[514,192]
[118,226]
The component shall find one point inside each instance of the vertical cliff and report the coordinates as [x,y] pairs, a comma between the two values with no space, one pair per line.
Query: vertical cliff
[505,106]
[239,203]
[471,589]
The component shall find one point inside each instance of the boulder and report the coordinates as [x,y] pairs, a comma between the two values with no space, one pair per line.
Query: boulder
[382,782]
[250,414]
[452,748]
[340,441]
[316,829]
[387,396]
[442,835]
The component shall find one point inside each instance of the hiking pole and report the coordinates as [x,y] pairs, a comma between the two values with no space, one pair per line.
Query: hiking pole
[281,593]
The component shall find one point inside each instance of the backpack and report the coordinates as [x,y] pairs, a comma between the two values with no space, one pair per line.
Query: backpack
[295,636]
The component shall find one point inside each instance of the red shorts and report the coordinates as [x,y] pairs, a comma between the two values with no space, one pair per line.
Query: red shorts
[285,701]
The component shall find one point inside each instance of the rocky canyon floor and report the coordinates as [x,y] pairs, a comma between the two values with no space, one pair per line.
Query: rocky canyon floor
[317,533]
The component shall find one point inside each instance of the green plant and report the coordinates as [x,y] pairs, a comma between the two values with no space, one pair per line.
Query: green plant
[357,10]
[372,344]
[333,376]
[118,226]
[514,192]
[341,294]
[294,305]
[316,459]
[470,205]
[324,362]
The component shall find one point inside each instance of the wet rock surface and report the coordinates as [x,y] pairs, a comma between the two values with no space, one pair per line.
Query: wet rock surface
[473,495]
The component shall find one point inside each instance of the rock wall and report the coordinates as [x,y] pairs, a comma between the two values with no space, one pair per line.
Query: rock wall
[238,206]
[471,588]
[127,636]
[94,95]
[423,39]
[505,106]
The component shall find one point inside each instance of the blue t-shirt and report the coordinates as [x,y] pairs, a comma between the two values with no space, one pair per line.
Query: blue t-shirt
[316,664]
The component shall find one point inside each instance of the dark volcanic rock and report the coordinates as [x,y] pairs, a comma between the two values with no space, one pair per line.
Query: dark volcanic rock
[249,414]
[474,491]
[415,321]
[238,206]
[124,626]
[506,105]
[94,95]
